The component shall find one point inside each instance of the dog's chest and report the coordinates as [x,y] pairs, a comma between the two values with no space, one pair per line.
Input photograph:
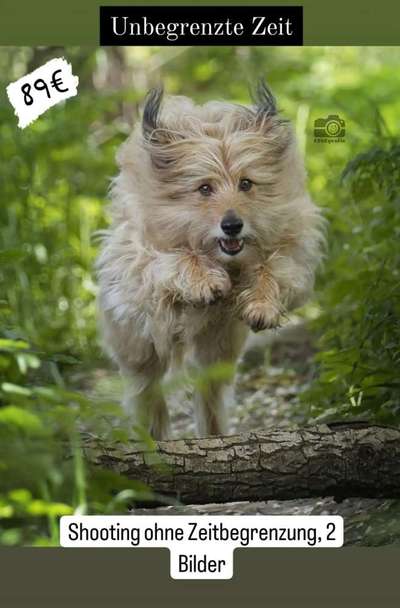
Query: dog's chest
[211,319]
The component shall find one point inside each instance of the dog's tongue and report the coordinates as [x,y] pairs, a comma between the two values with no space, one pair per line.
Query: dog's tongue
[231,244]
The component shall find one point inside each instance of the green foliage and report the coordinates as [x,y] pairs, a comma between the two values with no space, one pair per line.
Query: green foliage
[359,358]
[42,474]
[54,197]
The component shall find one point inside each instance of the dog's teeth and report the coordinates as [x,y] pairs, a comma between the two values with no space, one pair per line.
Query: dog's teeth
[231,246]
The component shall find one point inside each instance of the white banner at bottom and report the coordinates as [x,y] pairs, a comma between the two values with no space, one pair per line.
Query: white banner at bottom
[202,547]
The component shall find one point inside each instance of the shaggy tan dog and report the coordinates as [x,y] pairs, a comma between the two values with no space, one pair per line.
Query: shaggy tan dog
[213,233]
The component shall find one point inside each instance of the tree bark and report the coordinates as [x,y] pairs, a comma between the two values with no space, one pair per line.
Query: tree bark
[340,460]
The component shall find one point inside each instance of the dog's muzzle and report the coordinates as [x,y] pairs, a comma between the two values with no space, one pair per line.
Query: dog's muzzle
[231,225]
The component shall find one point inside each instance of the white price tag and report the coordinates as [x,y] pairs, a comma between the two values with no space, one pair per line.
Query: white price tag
[43,88]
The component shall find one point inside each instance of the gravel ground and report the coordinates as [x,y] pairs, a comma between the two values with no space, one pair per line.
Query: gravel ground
[273,371]
[367,522]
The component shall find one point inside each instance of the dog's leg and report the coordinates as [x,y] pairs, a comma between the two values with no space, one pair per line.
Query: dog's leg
[190,278]
[259,303]
[144,400]
[213,347]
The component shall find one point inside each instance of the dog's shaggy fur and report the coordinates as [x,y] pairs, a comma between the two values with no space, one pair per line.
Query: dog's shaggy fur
[213,233]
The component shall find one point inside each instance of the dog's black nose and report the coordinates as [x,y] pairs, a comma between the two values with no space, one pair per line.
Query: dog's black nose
[231,223]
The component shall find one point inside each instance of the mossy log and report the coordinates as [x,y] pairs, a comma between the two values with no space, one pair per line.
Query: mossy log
[340,460]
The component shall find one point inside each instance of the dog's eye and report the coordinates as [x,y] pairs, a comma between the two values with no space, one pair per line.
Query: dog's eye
[205,190]
[245,184]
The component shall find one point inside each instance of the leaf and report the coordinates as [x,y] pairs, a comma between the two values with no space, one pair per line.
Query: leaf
[16,389]
[23,420]
[12,346]
[40,508]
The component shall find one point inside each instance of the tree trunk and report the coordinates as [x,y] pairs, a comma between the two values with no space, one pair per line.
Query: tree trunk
[340,460]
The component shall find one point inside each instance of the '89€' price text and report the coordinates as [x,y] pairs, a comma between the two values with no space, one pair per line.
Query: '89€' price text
[41,85]
[43,88]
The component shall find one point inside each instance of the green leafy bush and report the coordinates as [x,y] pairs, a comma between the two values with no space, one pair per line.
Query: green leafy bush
[42,470]
[55,201]
[359,359]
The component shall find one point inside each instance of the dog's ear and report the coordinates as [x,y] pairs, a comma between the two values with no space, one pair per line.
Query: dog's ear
[154,130]
[264,101]
[157,136]
[267,120]
[151,114]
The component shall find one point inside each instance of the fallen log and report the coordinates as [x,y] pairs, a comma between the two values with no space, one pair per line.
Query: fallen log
[340,460]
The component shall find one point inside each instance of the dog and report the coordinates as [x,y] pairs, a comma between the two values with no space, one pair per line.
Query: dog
[213,233]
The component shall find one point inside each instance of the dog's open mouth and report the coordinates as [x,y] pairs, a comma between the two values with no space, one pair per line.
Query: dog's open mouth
[231,246]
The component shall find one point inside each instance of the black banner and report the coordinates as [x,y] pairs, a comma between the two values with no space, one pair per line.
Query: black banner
[201,25]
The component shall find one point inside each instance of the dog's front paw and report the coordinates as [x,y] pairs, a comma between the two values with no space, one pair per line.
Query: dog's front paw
[210,288]
[261,315]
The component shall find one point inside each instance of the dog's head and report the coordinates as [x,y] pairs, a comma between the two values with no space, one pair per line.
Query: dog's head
[219,178]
